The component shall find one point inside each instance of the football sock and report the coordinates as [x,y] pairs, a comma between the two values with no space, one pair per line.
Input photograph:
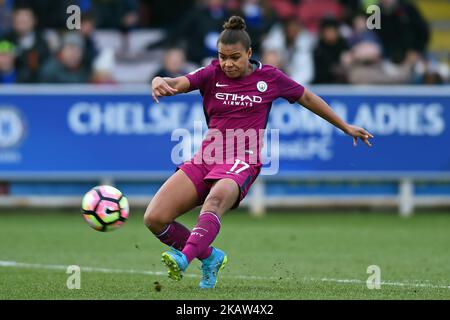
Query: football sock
[175,235]
[202,235]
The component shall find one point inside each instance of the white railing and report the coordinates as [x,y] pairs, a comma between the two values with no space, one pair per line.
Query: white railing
[259,201]
[405,201]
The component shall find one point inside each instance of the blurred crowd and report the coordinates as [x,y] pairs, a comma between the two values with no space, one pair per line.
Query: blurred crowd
[313,41]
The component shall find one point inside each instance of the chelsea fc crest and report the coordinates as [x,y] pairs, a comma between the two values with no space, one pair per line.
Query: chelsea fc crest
[12,127]
[261,86]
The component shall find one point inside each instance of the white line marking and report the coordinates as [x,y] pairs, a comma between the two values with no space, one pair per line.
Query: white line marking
[386,283]
[14,264]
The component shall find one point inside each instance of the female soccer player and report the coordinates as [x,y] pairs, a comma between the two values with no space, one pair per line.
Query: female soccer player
[237,95]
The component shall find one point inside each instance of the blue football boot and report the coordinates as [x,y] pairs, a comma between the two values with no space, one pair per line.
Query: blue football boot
[175,262]
[211,267]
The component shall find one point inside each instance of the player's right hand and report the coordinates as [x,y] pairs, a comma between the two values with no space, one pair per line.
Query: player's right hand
[359,133]
[160,88]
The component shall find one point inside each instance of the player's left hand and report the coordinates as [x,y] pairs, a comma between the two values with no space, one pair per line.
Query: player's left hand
[357,132]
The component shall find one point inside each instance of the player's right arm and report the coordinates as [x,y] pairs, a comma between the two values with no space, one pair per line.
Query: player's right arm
[162,87]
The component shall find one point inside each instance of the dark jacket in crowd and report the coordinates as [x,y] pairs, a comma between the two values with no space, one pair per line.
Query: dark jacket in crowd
[109,13]
[402,30]
[327,61]
[30,60]
[194,29]
[55,72]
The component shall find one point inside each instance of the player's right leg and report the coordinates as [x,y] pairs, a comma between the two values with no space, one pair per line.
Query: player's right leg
[176,196]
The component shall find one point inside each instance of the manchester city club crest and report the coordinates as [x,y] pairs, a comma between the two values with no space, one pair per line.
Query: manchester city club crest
[261,86]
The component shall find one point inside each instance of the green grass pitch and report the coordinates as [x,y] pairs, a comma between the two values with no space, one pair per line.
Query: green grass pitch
[279,256]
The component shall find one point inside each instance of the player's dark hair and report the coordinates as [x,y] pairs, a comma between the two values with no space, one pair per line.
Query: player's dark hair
[234,32]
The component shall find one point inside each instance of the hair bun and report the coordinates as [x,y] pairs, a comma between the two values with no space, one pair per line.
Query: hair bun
[235,23]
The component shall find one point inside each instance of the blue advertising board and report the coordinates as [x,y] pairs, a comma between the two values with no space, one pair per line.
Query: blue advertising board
[70,131]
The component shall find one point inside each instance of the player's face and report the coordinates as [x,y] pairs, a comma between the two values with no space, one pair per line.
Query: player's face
[234,59]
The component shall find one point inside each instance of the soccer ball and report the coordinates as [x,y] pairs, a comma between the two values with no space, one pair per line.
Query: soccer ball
[105,208]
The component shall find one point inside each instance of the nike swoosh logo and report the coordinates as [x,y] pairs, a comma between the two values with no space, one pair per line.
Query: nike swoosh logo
[108,211]
[221,85]
[198,228]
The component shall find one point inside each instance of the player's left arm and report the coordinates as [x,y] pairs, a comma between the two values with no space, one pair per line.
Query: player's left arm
[317,105]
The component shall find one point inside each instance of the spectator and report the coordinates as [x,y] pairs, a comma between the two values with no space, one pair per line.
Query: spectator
[351,8]
[87,30]
[431,71]
[6,9]
[295,45]
[259,18]
[174,64]
[273,58]
[365,65]
[198,31]
[161,13]
[327,54]
[103,67]
[67,67]
[31,47]
[360,33]
[404,31]
[42,8]
[116,14]
[7,70]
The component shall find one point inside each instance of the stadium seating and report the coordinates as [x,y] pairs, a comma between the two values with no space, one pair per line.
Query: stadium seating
[437,13]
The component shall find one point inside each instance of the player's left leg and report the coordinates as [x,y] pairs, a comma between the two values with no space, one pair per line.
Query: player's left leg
[223,195]
[225,174]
